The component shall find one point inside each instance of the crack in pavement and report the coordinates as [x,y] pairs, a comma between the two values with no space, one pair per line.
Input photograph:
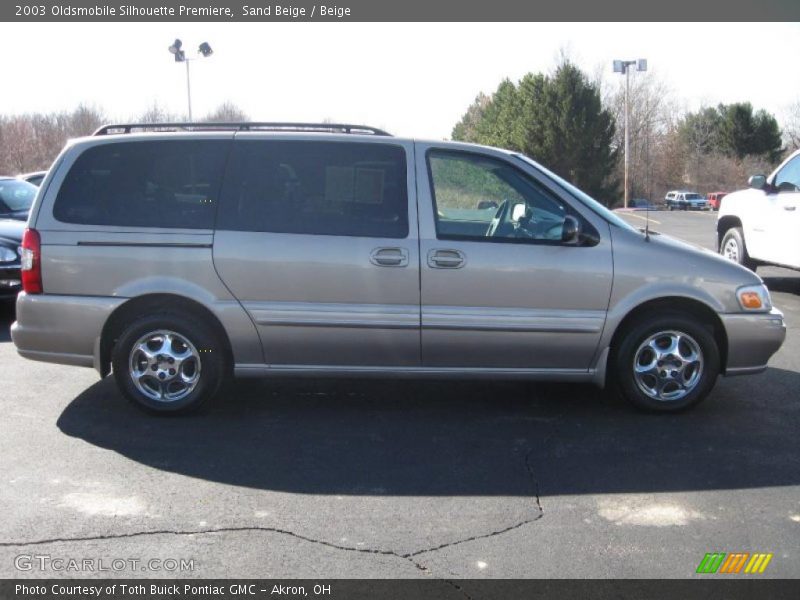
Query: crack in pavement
[210,531]
[410,556]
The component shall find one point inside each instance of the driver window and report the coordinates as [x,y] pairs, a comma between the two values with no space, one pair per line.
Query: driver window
[788,178]
[482,198]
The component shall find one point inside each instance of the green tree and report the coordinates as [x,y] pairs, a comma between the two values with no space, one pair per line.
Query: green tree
[555,119]
[733,130]
[465,128]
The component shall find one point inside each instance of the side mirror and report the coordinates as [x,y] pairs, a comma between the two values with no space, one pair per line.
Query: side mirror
[487,204]
[570,230]
[518,212]
[757,182]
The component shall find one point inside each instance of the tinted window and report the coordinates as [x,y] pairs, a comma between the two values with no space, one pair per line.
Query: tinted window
[16,195]
[171,183]
[478,197]
[324,188]
[788,178]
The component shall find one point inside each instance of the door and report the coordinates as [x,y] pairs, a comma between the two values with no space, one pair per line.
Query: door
[499,287]
[318,241]
[784,221]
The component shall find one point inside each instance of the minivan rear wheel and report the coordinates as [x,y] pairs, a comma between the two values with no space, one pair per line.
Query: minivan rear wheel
[166,363]
[666,362]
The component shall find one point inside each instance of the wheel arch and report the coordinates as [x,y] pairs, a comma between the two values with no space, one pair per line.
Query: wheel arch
[149,303]
[690,306]
[724,224]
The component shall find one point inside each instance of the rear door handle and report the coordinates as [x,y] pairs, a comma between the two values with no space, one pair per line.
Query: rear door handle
[446,259]
[389,257]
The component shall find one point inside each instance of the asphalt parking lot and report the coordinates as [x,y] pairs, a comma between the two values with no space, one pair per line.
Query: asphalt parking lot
[405,479]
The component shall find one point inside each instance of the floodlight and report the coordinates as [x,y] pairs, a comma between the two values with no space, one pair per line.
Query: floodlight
[205,49]
[176,46]
[641,64]
[618,66]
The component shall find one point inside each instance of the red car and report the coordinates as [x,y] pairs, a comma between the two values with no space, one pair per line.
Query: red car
[715,198]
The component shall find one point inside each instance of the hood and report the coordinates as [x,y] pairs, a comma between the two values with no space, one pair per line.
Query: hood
[679,257]
[11,230]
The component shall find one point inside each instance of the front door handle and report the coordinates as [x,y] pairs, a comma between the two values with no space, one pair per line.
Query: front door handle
[789,207]
[446,259]
[389,257]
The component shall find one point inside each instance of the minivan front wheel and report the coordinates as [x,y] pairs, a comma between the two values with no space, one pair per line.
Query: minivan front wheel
[166,363]
[667,363]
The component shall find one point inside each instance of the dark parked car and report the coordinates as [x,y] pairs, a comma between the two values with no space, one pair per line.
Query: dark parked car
[16,198]
[35,178]
[10,240]
[642,204]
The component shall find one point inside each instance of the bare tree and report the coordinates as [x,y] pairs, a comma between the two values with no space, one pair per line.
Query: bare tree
[651,120]
[30,142]
[791,129]
[19,150]
[155,113]
[85,120]
[227,112]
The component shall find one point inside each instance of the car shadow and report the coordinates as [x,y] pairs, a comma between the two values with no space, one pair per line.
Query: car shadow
[424,438]
[788,285]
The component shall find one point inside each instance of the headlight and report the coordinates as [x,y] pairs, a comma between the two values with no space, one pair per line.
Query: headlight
[754,298]
[7,255]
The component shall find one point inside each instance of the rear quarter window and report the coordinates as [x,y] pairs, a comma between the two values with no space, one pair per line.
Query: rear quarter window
[319,188]
[164,184]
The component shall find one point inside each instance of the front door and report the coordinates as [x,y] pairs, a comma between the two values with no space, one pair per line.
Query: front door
[318,241]
[499,287]
[784,245]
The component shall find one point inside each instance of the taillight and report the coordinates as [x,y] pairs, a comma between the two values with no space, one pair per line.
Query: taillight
[31,262]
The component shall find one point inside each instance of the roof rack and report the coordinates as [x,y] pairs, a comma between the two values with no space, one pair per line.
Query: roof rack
[243,126]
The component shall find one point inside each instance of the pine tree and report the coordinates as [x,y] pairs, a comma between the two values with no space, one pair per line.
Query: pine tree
[555,119]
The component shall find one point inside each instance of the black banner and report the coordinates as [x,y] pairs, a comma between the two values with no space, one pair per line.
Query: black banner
[397,10]
[388,589]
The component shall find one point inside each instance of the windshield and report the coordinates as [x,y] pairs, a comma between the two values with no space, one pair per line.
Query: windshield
[582,197]
[16,195]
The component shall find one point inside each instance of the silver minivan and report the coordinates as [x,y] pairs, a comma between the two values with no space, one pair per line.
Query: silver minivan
[176,256]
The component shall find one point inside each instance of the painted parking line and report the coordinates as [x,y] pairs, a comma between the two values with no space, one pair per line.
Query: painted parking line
[652,220]
[709,213]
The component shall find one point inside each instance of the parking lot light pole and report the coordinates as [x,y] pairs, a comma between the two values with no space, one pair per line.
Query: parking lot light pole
[180,56]
[623,66]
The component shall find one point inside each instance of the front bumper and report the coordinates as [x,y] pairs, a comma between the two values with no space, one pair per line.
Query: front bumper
[10,281]
[752,339]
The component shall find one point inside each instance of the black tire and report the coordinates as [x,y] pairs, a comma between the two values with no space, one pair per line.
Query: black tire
[210,362]
[637,333]
[735,236]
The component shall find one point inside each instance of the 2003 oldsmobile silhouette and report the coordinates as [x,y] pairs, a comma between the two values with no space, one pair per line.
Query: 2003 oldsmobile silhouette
[180,257]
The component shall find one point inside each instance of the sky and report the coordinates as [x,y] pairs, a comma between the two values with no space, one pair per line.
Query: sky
[413,79]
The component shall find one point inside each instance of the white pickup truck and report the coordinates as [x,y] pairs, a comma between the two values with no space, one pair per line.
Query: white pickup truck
[761,225]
